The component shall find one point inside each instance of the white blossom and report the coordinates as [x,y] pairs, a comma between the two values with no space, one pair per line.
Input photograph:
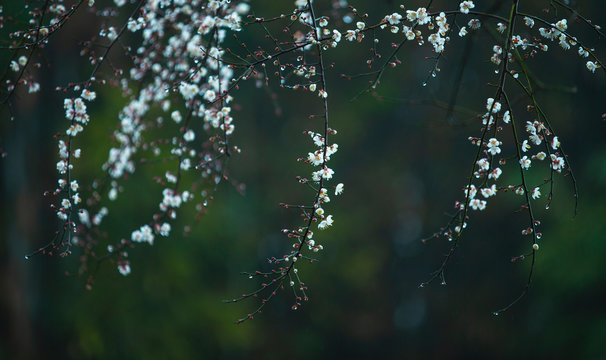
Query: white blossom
[327,222]
[124,269]
[339,189]
[525,162]
[495,173]
[488,192]
[477,204]
[591,66]
[465,6]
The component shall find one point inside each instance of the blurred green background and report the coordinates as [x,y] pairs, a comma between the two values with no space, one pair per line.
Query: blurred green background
[403,162]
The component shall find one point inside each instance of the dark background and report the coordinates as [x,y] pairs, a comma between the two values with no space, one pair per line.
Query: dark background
[403,162]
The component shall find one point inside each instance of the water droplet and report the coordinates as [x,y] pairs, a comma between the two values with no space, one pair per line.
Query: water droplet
[205,203]
[496,313]
[433,74]
[26,257]
[422,285]
[425,84]
[547,207]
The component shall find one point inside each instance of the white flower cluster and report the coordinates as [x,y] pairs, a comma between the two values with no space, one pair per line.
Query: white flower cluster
[319,158]
[417,18]
[144,234]
[493,108]
[554,32]
[537,131]
[179,73]
[181,49]
[76,113]
[476,204]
